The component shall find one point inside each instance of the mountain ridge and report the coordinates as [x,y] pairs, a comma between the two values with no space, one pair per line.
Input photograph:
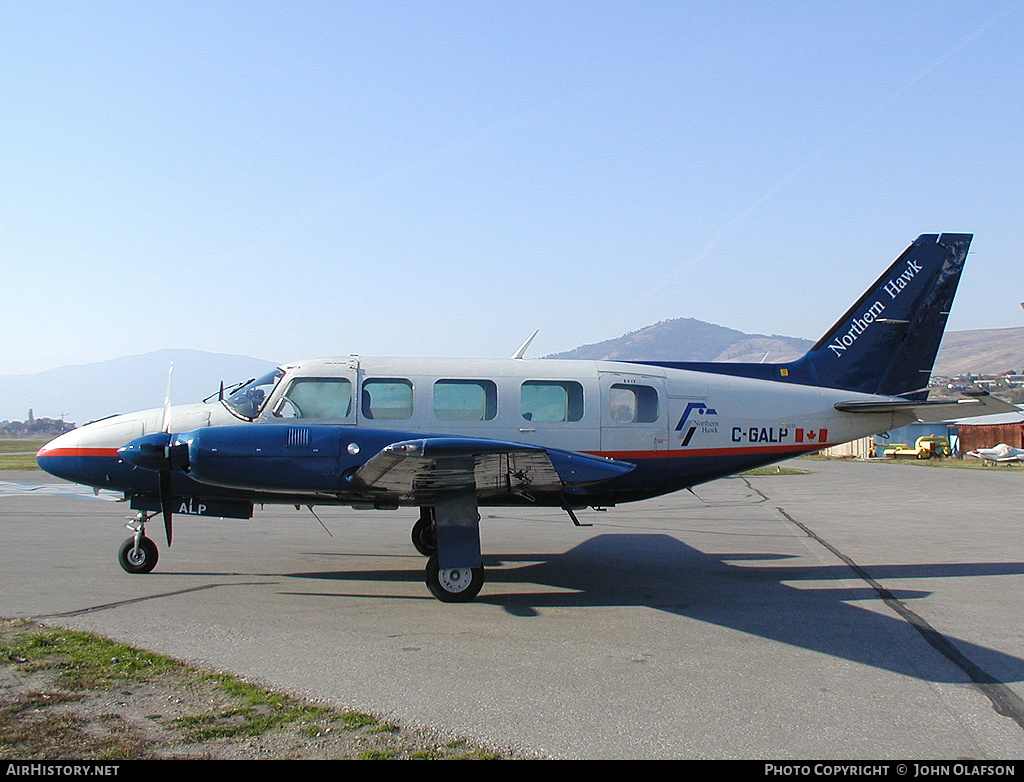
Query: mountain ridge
[85,392]
[689,339]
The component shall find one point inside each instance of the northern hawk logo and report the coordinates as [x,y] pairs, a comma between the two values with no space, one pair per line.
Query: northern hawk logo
[701,418]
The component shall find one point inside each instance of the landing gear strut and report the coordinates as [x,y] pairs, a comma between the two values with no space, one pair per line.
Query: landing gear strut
[448,532]
[138,554]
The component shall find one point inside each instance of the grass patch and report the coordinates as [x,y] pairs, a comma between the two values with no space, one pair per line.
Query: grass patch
[20,454]
[951,462]
[252,711]
[18,461]
[18,445]
[92,698]
[83,660]
[776,470]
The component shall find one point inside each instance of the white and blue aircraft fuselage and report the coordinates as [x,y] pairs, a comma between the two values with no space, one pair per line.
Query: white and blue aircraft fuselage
[449,435]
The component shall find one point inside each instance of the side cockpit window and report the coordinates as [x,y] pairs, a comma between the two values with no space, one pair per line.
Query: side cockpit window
[328,399]
[248,399]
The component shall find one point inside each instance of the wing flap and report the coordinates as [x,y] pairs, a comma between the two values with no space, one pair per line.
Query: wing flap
[425,467]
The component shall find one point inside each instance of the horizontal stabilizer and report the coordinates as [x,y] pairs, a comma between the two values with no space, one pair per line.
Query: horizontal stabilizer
[973,404]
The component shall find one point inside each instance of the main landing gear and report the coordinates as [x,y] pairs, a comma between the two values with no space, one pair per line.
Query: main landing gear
[424,533]
[138,554]
[453,585]
[448,534]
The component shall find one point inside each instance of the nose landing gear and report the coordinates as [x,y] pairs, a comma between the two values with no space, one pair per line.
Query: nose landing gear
[138,554]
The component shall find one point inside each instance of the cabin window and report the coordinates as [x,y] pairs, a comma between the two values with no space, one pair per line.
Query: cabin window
[551,400]
[314,397]
[465,400]
[633,403]
[387,399]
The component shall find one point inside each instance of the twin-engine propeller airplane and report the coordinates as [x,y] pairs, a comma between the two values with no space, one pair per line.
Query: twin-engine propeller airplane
[451,435]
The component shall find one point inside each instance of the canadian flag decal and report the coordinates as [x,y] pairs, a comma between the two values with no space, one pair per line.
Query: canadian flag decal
[812,435]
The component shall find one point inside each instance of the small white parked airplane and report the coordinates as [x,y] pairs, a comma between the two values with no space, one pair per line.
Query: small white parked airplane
[449,435]
[999,454]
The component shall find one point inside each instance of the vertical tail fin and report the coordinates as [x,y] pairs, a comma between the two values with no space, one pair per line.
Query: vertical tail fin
[886,343]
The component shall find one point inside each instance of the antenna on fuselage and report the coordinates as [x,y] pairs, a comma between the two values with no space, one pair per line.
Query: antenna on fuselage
[317,518]
[522,348]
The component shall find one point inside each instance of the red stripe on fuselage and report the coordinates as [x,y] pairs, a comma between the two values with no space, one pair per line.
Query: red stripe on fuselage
[44,451]
[628,456]
[620,455]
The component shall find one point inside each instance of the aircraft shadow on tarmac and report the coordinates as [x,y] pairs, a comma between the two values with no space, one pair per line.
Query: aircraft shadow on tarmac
[792,605]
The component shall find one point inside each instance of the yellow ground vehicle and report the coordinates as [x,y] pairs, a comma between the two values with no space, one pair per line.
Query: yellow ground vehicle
[926,447]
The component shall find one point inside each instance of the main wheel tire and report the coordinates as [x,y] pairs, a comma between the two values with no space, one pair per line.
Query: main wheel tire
[424,537]
[142,560]
[456,585]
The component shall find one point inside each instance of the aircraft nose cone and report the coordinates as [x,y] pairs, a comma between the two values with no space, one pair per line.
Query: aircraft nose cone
[61,456]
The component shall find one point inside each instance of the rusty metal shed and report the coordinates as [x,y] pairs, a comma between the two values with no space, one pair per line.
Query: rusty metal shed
[974,436]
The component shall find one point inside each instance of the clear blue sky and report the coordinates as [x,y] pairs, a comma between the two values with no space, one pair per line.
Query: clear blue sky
[295,179]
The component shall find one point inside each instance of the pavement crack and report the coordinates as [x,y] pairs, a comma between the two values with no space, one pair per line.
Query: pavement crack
[1004,700]
[132,600]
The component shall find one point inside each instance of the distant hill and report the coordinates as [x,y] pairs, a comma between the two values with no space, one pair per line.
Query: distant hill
[983,352]
[86,392]
[687,339]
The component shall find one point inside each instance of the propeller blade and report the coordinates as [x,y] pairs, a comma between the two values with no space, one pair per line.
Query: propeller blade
[165,502]
[165,418]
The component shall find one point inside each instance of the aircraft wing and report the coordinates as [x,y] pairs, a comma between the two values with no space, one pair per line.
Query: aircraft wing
[973,404]
[424,467]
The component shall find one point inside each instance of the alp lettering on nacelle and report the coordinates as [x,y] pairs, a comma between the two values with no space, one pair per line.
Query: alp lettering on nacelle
[196,506]
[192,507]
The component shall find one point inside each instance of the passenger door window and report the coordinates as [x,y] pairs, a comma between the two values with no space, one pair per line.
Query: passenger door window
[632,403]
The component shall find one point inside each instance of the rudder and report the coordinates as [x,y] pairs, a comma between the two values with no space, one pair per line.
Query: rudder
[886,343]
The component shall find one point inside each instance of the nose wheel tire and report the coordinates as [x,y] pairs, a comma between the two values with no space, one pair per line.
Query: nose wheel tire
[137,560]
[454,585]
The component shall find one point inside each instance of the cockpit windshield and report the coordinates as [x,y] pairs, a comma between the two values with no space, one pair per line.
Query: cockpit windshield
[247,400]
